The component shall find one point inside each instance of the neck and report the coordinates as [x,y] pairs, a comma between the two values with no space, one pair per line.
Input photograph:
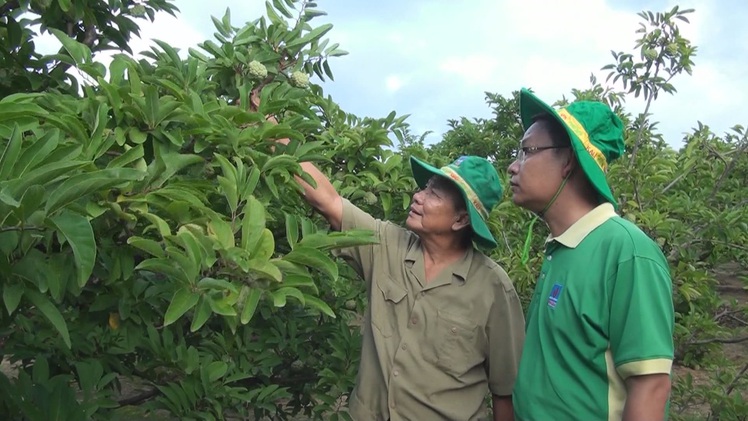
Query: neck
[570,206]
[442,251]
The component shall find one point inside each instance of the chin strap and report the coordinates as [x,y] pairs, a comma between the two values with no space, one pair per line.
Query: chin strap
[528,239]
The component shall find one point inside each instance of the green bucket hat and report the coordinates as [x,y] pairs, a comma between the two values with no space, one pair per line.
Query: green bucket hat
[595,131]
[479,184]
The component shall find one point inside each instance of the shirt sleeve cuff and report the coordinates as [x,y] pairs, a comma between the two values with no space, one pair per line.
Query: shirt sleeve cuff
[644,367]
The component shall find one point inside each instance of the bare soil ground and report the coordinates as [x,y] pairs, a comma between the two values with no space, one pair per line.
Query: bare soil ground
[732,290]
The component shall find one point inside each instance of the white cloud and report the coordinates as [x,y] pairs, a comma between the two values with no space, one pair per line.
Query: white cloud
[475,69]
[435,59]
[393,83]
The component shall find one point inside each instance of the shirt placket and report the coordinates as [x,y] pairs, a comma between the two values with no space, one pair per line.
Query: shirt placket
[410,335]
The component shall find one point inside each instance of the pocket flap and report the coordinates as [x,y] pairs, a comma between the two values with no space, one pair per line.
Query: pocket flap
[392,291]
[456,322]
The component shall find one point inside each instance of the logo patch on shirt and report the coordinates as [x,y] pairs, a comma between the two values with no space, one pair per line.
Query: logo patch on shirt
[555,294]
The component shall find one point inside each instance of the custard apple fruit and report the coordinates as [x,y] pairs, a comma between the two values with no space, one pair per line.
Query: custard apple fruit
[138,10]
[299,79]
[257,69]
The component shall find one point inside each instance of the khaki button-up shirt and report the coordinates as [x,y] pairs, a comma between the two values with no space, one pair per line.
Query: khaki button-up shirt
[430,351]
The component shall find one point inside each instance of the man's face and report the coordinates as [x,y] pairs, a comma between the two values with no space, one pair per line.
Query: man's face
[536,174]
[434,209]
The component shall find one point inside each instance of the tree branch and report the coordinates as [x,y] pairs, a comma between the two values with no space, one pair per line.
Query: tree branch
[138,399]
[728,170]
[24,228]
[720,341]
[735,380]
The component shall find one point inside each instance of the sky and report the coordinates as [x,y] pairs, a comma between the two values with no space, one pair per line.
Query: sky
[435,59]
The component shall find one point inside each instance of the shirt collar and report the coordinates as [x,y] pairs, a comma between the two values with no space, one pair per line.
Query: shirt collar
[584,225]
[460,267]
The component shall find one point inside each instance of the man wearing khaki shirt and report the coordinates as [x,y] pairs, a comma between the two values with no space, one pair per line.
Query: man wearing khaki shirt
[444,324]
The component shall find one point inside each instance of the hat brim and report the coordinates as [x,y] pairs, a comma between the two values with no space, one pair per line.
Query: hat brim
[422,173]
[530,106]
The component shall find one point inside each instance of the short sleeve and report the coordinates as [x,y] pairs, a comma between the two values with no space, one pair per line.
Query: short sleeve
[359,257]
[506,336]
[642,318]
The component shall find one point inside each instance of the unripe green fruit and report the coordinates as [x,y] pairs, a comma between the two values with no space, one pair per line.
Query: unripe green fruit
[297,365]
[350,304]
[299,79]
[370,198]
[138,10]
[257,69]
[650,54]
[672,48]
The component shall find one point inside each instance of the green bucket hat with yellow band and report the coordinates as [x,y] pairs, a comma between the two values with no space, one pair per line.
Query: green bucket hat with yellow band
[595,131]
[479,184]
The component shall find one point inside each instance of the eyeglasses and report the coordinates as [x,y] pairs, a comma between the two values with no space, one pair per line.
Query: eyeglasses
[529,150]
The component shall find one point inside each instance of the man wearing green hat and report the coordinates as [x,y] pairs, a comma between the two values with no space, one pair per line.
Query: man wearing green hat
[444,324]
[599,329]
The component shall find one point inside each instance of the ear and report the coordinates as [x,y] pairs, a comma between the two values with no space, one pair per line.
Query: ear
[461,221]
[570,165]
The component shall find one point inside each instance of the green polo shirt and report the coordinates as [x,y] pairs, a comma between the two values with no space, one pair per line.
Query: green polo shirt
[602,311]
[430,351]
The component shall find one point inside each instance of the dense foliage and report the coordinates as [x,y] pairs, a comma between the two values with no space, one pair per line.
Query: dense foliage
[151,236]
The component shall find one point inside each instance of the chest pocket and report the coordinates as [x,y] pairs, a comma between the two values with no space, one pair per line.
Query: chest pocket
[383,308]
[456,343]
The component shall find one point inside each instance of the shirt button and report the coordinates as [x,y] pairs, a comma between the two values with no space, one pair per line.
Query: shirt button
[454,330]
[414,320]
[395,373]
[404,347]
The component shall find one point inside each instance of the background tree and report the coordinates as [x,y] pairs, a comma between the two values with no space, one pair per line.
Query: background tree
[151,239]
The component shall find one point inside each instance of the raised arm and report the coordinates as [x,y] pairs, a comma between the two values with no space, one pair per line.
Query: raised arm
[325,199]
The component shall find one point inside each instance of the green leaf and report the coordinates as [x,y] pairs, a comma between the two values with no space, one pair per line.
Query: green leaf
[11,152]
[253,223]
[160,224]
[149,246]
[313,258]
[76,229]
[84,184]
[216,370]
[80,53]
[34,154]
[265,246]
[288,292]
[318,304]
[274,18]
[221,307]
[298,281]
[51,313]
[30,201]
[222,231]
[164,266]
[202,313]
[314,34]
[250,305]
[292,230]
[219,284]
[42,175]
[12,296]
[280,161]
[64,4]
[265,269]
[183,300]
[131,154]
